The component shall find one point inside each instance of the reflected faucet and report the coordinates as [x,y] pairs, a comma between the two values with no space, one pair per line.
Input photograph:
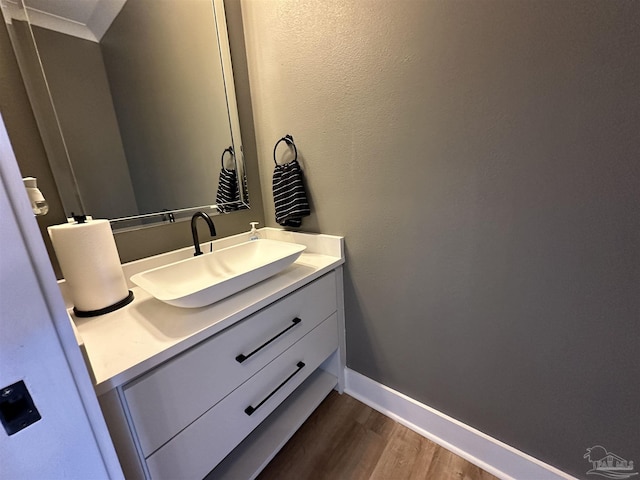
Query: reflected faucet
[194,230]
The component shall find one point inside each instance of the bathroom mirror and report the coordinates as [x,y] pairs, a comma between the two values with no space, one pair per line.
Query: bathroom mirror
[136,105]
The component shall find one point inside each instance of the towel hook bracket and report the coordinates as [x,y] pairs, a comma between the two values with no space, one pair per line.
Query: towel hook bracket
[288,139]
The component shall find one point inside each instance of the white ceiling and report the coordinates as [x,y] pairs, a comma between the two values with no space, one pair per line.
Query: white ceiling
[87,19]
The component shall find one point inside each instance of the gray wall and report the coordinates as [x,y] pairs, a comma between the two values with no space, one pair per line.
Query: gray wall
[78,83]
[481,159]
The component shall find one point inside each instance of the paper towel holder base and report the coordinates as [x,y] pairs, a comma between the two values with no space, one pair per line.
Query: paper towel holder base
[102,311]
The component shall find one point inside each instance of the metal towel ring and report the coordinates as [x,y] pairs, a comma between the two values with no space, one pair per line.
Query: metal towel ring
[230,150]
[288,139]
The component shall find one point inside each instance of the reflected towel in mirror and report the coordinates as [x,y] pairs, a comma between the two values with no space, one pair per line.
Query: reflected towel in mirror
[227,191]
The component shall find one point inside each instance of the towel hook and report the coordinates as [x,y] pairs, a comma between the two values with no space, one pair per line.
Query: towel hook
[230,150]
[288,139]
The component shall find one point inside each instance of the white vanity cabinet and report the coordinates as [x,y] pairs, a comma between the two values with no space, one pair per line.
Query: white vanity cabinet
[190,412]
[215,392]
[167,399]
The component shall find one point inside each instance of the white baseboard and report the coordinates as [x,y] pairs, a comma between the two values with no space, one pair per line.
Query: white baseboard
[491,455]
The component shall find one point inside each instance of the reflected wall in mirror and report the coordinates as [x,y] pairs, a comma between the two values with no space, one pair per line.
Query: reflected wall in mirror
[141,96]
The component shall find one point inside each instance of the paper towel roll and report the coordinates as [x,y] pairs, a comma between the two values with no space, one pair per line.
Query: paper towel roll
[90,264]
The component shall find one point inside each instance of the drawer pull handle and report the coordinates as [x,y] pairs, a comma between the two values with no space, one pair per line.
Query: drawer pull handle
[242,357]
[249,410]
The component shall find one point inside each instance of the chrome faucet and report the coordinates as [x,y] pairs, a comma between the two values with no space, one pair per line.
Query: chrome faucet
[194,230]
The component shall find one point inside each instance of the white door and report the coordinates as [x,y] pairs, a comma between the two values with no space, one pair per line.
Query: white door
[38,352]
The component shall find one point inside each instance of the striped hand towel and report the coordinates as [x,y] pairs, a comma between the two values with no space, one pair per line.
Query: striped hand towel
[289,194]
[227,191]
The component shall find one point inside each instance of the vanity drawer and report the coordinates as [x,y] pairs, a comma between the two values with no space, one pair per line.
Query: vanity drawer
[166,400]
[195,451]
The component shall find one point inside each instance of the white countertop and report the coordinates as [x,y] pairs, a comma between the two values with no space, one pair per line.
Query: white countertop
[128,342]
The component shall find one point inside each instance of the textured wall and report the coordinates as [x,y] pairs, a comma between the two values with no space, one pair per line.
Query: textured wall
[481,159]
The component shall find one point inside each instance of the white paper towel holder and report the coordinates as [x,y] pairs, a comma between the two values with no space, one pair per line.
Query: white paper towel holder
[82,219]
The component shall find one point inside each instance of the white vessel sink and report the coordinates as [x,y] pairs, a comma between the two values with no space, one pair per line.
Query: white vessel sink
[208,278]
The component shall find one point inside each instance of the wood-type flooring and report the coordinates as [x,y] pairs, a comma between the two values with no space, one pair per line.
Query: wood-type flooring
[347,440]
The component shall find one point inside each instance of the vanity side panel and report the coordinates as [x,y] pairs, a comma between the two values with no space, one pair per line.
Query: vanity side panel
[335,364]
[342,337]
[121,435]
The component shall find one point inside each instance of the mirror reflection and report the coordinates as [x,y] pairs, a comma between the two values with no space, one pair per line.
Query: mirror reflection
[143,96]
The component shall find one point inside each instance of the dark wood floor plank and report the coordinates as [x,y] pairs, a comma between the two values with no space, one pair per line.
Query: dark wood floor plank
[347,440]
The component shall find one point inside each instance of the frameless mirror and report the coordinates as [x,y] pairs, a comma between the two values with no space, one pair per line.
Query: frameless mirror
[136,105]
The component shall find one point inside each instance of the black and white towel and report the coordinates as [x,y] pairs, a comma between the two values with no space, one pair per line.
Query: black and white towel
[227,191]
[289,194]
